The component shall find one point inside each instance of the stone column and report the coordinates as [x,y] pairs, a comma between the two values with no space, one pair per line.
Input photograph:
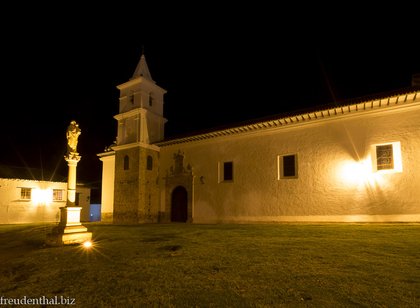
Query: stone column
[71,181]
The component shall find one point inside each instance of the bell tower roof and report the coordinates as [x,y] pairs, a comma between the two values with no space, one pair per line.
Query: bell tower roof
[142,70]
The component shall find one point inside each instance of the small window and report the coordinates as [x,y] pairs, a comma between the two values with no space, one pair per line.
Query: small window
[57,194]
[77,201]
[150,100]
[386,158]
[149,162]
[287,166]
[126,162]
[131,97]
[25,193]
[228,171]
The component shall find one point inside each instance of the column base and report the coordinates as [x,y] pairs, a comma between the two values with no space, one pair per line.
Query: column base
[68,236]
[69,231]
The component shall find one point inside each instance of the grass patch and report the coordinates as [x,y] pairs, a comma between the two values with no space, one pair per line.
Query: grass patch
[184,265]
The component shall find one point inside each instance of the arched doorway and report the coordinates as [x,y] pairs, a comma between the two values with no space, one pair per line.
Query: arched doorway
[179,205]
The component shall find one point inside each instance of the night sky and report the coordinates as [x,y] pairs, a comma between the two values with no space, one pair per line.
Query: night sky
[218,65]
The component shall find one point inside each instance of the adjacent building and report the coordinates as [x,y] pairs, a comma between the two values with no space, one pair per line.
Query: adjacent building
[25,197]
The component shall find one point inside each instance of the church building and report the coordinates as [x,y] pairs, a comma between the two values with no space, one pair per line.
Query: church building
[356,162]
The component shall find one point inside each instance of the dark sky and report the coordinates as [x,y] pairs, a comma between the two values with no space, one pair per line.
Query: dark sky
[218,65]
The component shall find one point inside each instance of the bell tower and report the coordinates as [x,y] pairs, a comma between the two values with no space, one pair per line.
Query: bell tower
[140,118]
[140,125]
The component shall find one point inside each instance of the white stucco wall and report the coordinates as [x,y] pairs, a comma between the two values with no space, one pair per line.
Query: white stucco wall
[107,190]
[327,188]
[15,210]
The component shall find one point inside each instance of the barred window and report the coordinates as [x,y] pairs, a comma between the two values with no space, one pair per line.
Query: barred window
[25,193]
[57,194]
[384,157]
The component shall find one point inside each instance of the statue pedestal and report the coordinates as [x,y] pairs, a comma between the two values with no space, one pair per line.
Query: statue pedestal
[69,231]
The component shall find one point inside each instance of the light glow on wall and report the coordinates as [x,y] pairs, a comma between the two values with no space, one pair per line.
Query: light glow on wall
[356,173]
[42,196]
[365,171]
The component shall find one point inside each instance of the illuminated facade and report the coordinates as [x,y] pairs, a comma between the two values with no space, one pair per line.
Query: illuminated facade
[353,162]
[32,201]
